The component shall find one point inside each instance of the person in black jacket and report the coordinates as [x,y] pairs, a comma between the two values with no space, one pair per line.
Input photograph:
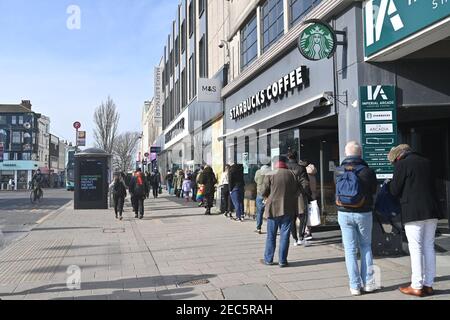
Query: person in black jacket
[236,185]
[119,191]
[413,184]
[208,179]
[139,190]
[299,169]
[356,222]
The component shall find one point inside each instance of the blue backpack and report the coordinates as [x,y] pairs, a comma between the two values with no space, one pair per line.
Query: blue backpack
[348,187]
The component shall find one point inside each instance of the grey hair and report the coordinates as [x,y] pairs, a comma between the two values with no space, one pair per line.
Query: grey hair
[353,148]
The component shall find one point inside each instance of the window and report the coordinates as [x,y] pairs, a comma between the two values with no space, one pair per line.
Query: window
[13,120]
[249,43]
[3,135]
[171,64]
[201,7]
[272,22]
[17,137]
[192,77]
[183,37]
[2,119]
[20,119]
[177,51]
[191,18]
[183,89]
[202,58]
[298,9]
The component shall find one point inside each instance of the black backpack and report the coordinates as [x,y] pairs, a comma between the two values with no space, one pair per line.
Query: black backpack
[118,189]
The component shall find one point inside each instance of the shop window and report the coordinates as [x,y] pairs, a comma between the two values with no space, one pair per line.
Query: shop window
[249,43]
[272,22]
[299,8]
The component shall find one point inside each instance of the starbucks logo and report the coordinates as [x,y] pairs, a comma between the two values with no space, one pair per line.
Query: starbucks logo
[317,42]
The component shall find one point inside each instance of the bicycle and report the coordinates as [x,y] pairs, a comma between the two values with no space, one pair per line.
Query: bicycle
[36,195]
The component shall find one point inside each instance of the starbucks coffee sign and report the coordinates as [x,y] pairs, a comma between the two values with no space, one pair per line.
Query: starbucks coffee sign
[317,41]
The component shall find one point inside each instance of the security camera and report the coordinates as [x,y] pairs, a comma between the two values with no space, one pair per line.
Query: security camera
[221,45]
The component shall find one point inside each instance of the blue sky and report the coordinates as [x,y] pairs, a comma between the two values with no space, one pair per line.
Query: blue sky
[67,73]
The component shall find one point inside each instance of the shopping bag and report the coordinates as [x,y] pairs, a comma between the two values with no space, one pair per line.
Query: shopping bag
[313,214]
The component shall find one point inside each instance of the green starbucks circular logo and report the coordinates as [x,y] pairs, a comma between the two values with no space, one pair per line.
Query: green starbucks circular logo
[317,41]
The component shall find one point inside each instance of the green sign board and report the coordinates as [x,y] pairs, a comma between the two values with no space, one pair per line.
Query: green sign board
[378,127]
[386,22]
[317,41]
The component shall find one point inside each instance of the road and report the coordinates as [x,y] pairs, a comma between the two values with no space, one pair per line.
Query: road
[18,216]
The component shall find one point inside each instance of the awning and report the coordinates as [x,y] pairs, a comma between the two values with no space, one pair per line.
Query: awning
[295,112]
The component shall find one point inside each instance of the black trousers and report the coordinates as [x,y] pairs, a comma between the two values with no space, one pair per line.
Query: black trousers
[138,205]
[225,203]
[155,191]
[302,227]
[118,205]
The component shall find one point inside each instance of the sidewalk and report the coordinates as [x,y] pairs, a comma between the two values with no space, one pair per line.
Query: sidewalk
[176,252]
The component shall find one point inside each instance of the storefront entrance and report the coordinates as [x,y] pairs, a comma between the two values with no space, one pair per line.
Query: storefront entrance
[430,136]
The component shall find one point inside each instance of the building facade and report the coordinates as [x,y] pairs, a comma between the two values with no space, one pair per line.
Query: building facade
[277,100]
[18,144]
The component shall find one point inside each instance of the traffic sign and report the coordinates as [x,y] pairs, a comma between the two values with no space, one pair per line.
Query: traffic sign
[378,127]
[77,125]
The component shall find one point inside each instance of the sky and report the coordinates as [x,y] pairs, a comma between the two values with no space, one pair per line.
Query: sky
[67,72]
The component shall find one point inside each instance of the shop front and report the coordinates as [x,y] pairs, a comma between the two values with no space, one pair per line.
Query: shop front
[288,106]
[21,172]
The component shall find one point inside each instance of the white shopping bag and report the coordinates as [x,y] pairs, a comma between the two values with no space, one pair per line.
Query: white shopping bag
[313,214]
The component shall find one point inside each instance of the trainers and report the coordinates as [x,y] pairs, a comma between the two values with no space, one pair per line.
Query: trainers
[308,237]
[258,231]
[262,261]
[296,243]
[355,292]
[369,288]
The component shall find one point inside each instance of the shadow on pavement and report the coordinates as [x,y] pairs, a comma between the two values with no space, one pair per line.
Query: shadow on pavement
[316,262]
[66,228]
[123,284]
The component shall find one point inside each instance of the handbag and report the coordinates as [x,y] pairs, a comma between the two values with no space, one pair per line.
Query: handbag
[313,214]
[201,193]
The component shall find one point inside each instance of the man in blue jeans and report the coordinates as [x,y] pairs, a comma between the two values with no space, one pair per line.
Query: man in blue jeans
[355,216]
[259,179]
[281,189]
[236,186]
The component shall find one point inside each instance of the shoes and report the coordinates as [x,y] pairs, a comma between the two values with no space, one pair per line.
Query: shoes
[121,218]
[428,291]
[136,216]
[306,243]
[262,261]
[297,243]
[355,292]
[308,236]
[284,265]
[225,215]
[117,217]
[141,217]
[258,231]
[412,292]
[369,288]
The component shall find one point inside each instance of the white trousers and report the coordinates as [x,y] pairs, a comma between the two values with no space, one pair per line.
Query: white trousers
[421,236]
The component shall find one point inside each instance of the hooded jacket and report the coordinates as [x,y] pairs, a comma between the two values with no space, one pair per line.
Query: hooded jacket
[368,181]
[236,177]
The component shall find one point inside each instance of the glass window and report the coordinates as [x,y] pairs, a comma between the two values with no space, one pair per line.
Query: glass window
[20,119]
[272,14]
[298,9]
[3,135]
[13,120]
[249,43]
[201,7]
[192,78]
[17,137]
[2,119]
[183,37]
[191,19]
[202,57]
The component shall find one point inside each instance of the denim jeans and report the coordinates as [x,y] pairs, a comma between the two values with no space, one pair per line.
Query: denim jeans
[273,224]
[259,212]
[356,230]
[238,202]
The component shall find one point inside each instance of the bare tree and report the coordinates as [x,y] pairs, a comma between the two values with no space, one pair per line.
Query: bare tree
[106,119]
[124,149]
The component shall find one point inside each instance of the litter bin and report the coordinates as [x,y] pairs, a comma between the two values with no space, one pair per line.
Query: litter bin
[92,168]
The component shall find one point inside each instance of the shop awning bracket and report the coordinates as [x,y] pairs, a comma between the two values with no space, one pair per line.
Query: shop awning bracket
[341,98]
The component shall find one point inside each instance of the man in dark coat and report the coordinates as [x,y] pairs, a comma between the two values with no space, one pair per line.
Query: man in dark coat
[236,185]
[413,184]
[208,179]
[299,169]
[155,182]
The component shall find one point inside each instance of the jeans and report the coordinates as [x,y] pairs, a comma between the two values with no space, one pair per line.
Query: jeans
[273,224]
[356,230]
[260,206]
[238,202]
[420,236]
[169,187]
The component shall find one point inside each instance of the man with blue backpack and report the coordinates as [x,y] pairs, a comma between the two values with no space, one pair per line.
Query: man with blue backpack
[356,185]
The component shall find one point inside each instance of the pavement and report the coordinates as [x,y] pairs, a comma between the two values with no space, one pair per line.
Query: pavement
[176,252]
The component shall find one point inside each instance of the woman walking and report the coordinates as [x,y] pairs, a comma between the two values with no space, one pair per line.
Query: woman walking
[119,191]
